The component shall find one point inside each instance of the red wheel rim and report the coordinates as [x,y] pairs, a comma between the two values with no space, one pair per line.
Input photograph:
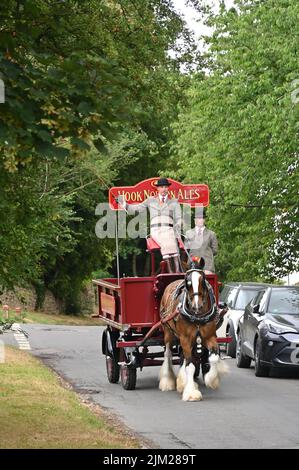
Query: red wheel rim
[109,365]
[124,373]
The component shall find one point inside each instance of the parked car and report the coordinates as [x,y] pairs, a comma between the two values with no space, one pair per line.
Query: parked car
[236,295]
[268,332]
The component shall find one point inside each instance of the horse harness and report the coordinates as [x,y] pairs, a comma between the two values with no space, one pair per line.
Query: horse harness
[171,315]
[181,293]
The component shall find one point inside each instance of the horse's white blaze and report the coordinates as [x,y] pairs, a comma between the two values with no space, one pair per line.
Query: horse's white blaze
[181,378]
[195,281]
[167,377]
[191,392]
[217,369]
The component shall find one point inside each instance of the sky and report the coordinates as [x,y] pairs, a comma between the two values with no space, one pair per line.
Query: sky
[192,17]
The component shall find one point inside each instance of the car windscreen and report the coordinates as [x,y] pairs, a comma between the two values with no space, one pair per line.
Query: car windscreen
[284,301]
[244,297]
[231,296]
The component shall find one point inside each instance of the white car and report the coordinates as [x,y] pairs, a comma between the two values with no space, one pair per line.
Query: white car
[236,295]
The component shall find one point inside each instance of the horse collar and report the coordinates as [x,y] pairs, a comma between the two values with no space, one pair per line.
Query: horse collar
[192,317]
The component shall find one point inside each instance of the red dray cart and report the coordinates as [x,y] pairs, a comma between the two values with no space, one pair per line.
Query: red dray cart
[129,307]
[130,310]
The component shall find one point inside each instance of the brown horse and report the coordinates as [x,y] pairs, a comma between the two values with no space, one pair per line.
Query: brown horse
[195,320]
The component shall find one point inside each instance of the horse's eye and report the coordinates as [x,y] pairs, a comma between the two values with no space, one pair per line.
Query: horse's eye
[189,283]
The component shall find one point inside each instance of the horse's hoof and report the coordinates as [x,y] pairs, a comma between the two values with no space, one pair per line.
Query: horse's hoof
[195,395]
[212,382]
[166,384]
[222,367]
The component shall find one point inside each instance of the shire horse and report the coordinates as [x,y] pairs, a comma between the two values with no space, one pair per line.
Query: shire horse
[188,312]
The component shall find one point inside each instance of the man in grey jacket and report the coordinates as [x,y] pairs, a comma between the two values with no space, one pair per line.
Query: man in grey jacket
[202,242]
[165,221]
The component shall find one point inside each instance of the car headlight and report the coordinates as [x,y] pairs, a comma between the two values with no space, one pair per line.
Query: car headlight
[279,329]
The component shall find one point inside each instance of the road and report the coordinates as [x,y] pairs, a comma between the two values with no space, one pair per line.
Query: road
[246,412]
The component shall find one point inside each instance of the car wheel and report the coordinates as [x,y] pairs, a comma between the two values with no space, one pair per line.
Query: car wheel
[260,369]
[243,361]
[232,346]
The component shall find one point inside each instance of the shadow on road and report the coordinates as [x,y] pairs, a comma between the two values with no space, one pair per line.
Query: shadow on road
[284,374]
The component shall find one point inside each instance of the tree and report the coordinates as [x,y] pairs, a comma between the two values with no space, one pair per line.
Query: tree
[239,134]
[77,76]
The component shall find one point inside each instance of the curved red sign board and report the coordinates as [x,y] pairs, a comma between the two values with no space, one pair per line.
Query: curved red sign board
[191,194]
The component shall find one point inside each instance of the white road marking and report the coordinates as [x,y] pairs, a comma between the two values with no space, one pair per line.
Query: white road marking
[20,338]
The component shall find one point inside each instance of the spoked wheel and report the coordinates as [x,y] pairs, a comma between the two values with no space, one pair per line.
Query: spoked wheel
[128,376]
[112,369]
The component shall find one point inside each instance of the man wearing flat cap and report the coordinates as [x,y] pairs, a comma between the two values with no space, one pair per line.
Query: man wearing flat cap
[165,221]
[202,242]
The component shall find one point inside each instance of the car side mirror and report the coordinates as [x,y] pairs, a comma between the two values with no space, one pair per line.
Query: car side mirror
[256,308]
[222,305]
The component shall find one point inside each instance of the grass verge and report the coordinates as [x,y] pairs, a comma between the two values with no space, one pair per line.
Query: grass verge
[48,319]
[37,412]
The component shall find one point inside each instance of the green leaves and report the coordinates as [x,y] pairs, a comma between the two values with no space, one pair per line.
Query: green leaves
[239,134]
[90,92]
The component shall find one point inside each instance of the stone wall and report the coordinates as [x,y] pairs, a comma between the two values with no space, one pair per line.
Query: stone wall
[26,299]
[88,300]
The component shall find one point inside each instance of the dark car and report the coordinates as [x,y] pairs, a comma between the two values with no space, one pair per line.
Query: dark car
[236,295]
[268,332]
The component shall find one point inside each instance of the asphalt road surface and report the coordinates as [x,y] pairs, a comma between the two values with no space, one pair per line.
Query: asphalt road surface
[246,411]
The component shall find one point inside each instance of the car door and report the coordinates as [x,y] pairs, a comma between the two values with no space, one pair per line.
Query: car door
[245,325]
[253,320]
[228,295]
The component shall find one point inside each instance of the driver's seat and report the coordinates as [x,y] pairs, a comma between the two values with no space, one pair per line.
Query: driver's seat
[152,245]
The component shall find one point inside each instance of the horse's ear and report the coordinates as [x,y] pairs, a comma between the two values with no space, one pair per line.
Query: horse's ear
[198,262]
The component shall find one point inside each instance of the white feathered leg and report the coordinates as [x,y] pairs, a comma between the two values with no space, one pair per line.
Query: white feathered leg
[167,376]
[217,369]
[191,392]
[181,378]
